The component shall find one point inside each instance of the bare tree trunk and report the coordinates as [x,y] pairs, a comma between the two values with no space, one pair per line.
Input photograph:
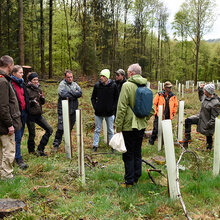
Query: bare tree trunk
[84,37]
[42,39]
[8,25]
[50,40]
[1,25]
[197,59]
[125,30]
[21,33]
[67,32]
[158,52]
[32,34]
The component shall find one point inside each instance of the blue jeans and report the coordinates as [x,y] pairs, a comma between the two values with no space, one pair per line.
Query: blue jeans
[98,126]
[19,134]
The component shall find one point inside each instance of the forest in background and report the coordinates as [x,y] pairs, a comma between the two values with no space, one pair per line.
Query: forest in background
[89,35]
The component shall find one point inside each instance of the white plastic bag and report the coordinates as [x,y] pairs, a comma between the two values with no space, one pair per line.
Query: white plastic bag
[117,142]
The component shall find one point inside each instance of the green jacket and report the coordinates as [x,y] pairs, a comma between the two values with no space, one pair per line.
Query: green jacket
[125,118]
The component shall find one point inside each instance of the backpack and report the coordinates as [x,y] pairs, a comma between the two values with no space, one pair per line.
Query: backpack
[143,102]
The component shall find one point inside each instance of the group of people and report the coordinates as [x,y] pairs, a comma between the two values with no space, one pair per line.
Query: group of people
[21,104]
[112,100]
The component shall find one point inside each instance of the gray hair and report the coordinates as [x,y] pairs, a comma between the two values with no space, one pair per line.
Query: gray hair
[6,60]
[135,68]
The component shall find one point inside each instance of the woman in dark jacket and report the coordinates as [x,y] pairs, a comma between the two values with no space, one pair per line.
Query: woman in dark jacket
[36,100]
[22,97]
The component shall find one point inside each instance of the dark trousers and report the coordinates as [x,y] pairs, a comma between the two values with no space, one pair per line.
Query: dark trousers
[153,137]
[41,121]
[132,158]
[59,132]
[19,135]
[194,120]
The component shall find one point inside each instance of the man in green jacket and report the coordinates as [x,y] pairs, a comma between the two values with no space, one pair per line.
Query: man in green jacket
[131,126]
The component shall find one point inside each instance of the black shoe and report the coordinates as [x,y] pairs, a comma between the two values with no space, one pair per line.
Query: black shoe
[94,149]
[41,153]
[151,142]
[113,150]
[21,163]
[33,153]
[209,147]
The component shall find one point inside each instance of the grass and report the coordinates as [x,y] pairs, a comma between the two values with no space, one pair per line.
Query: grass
[52,188]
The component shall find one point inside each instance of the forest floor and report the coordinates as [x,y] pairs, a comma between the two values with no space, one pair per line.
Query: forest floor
[52,189]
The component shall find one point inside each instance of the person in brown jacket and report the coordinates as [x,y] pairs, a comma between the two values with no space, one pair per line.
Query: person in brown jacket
[36,100]
[10,118]
[168,100]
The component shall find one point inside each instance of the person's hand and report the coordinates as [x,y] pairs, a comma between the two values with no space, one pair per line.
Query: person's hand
[11,130]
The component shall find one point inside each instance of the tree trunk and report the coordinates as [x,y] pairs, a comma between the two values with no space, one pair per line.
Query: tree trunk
[67,32]
[21,33]
[197,60]
[84,37]
[8,25]
[1,26]
[125,31]
[42,39]
[50,39]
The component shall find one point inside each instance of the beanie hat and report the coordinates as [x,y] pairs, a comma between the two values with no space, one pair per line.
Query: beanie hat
[210,88]
[120,71]
[106,73]
[32,75]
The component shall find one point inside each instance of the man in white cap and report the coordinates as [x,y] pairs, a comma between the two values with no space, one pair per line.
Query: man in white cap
[205,120]
[104,100]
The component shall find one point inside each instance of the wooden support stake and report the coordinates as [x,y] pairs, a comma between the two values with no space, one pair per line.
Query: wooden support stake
[160,128]
[216,163]
[79,129]
[180,121]
[170,158]
[66,128]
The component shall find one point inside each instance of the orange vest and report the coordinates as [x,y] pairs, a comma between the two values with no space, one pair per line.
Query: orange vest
[160,100]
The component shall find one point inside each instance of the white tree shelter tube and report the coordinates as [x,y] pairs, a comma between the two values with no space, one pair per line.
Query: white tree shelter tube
[160,128]
[180,120]
[216,163]
[79,130]
[170,158]
[66,128]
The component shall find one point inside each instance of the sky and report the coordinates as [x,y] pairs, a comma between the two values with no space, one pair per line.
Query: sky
[174,6]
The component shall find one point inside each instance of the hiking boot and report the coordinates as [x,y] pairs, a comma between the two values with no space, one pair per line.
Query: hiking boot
[125,185]
[187,139]
[209,147]
[33,153]
[151,142]
[21,163]
[94,149]
[41,153]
